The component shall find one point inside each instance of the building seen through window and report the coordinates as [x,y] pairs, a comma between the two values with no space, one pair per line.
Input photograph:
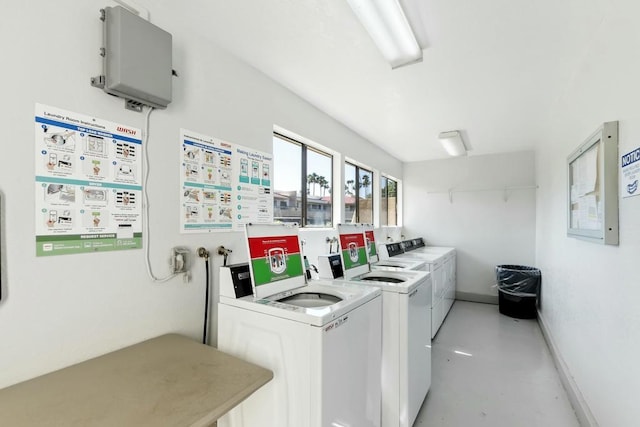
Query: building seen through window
[358,194]
[297,167]
[388,201]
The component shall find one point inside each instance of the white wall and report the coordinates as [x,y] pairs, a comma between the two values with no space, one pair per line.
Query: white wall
[485,229]
[591,292]
[60,310]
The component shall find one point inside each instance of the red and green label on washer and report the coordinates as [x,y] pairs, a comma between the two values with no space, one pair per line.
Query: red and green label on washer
[275,258]
[371,243]
[354,250]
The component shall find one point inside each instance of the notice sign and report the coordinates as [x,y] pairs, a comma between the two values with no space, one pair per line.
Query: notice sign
[630,175]
[275,258]
[354,250]
[88,184]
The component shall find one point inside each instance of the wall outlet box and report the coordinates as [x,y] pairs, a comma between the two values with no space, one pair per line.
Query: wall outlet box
[179,260]
[137,62]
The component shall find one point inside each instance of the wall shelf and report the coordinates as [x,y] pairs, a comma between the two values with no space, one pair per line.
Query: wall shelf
[506,190]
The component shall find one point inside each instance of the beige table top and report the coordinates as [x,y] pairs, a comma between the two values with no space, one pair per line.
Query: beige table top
[170,380]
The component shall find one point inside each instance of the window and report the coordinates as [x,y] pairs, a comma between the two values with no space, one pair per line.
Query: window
[388,201]
[298,166]
[358,194]
[287,176]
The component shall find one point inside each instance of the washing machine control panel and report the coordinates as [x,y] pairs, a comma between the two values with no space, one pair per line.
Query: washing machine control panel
[235,281]
[394,249]
[330,266]
[412,244]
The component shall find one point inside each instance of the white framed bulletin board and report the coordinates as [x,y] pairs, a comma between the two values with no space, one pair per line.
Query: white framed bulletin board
[592,198]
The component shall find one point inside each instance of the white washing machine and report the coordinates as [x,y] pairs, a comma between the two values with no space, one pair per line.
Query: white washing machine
[441,262]
[322,341]
[384,262]
[418,245]
[406,326]
[399,265]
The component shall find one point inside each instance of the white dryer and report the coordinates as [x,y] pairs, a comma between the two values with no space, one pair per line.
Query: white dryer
[406,326]
[322,341]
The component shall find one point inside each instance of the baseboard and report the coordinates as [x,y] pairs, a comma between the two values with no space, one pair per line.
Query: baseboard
[583,413]
[468,296]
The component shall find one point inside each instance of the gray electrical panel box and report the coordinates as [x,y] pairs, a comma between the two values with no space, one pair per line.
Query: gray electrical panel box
[137,60]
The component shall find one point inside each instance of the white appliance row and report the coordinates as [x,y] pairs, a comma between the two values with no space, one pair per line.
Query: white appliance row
[440,262]
[345,353]
[406,323]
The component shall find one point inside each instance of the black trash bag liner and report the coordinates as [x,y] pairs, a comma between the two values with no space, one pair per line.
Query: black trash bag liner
[518,280]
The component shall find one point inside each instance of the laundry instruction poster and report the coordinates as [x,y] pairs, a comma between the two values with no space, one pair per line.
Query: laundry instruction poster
[223,185]
[88,185]
[206,184]
[253,184]
[275,258]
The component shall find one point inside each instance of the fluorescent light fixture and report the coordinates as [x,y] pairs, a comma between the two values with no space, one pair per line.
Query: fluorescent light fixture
[452,142]
[462,353]
[387,25]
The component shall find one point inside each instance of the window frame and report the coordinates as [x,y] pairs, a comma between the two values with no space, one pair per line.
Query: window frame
[304,149]
[386,180]
[358,167]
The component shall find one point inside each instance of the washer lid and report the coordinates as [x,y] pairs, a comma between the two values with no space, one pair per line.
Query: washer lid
[429,257]
[400,264]
[393,281]
[370,240]
[276,260]
[307,298]
[353,249]
[433,250]
[297,304]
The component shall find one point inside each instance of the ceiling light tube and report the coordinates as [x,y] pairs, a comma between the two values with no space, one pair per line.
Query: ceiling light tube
[387,25]
[452,143]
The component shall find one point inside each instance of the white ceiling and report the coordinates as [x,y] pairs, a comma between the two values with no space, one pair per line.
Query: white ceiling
[493,69]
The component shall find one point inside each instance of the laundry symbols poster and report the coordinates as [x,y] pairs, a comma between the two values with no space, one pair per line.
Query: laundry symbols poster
[88,184]
[223,185]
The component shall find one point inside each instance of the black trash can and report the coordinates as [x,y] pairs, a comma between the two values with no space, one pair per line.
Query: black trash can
[518,289]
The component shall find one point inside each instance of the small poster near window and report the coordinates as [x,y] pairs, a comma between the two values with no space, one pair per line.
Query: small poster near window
[223,185]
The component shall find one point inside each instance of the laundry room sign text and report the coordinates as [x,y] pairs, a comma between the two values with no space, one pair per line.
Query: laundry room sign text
[88,184]
[630,164]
